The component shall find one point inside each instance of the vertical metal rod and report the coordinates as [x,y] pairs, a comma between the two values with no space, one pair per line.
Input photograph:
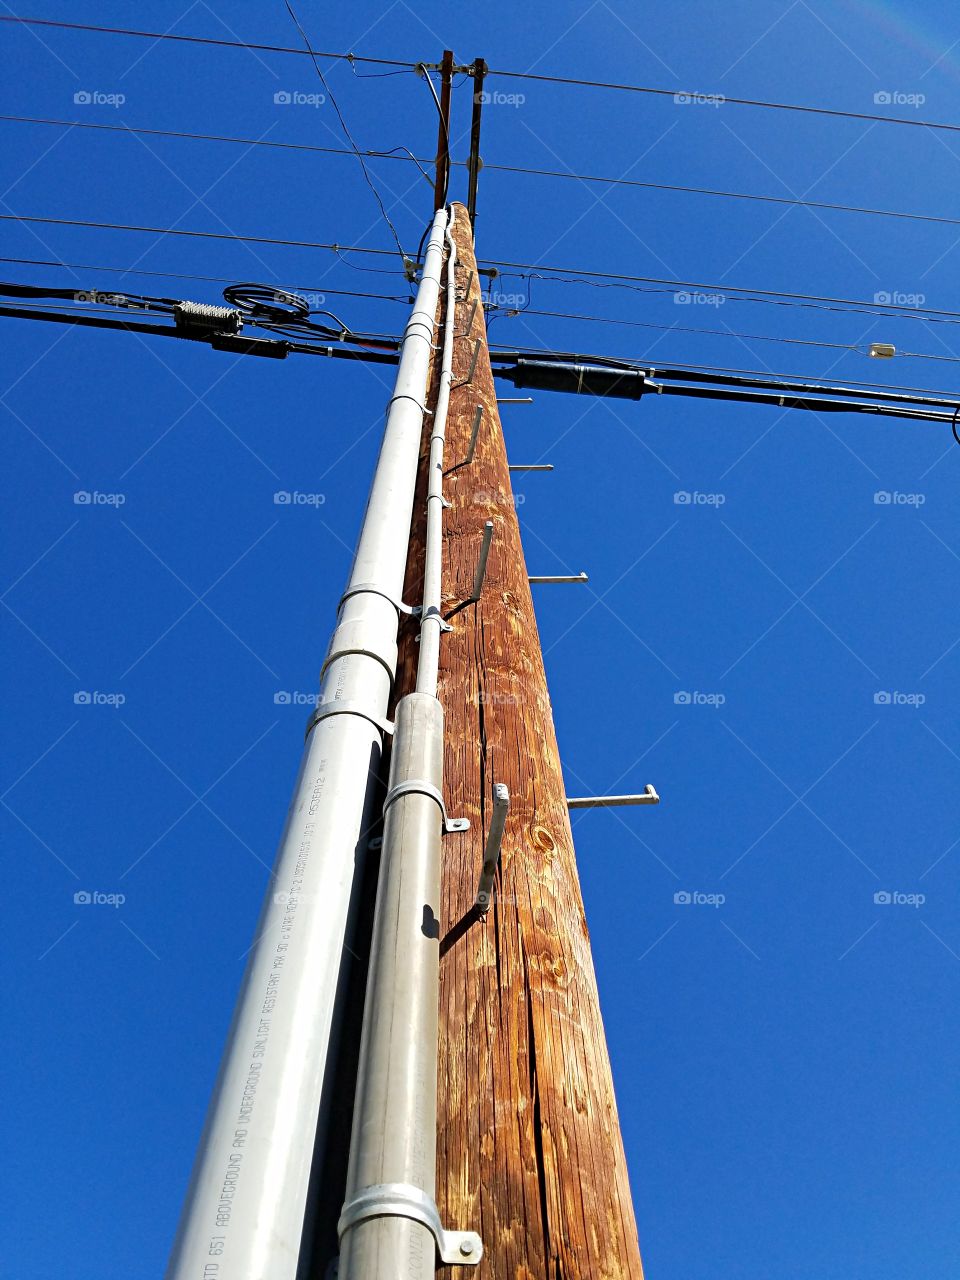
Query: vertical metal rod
[481,572]
[491,852]
[245,1206]
[395,1117]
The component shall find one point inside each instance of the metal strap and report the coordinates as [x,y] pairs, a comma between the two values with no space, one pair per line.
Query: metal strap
[372,589]
[347,709]
[421,787]
[402,1200]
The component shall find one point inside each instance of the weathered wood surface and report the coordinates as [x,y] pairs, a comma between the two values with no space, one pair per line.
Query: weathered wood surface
[529,1146]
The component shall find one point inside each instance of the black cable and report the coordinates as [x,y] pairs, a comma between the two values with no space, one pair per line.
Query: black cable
[446,142]
[231,342]
[602,376]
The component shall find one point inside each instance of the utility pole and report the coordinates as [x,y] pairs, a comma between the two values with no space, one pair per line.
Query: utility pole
[529,1151]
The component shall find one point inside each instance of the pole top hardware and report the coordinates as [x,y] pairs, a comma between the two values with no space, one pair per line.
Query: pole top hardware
[402,1200]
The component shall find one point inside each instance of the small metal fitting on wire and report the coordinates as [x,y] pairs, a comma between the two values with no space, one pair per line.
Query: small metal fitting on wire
[205,318]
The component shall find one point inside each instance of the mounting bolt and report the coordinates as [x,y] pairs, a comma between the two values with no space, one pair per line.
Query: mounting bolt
[466,1248]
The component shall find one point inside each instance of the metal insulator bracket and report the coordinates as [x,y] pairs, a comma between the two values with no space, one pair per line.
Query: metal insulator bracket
[402,1200]
[420,786]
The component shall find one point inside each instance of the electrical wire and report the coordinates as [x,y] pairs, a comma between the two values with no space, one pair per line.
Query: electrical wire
[574,275]
[208,40]
[202,235]
[347,134]
[726,195]
[520,270]
[716,333]
[219,137]
[258,305]
[390,154]
[578,82]
[446,145]
[682,95]
[182,275]
[525,368]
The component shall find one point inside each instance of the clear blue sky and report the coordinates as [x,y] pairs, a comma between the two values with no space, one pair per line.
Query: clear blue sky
[787,1061]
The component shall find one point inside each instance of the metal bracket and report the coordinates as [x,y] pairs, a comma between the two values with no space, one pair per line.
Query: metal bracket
[345,708]
[372,589]
[561,577]
[647,796]
[481,570]
[433,614]
[402,1200]
[420,786]
[473,366]
[465,333]
[491,852]
[478,415]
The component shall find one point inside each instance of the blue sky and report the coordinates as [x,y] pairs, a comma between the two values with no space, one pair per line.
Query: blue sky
[786,1059]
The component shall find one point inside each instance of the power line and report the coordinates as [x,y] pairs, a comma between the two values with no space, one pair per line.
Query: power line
[493,168]
[573,81]
[209,40]
[549,370]
[217,137]
[202,235]
[727,195]
[406,298]
[182,275]
[528,270]
[722,99]
[720,333]
[349,136]
[574,275]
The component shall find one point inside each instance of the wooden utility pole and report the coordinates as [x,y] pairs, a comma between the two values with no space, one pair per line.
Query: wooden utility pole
[529,1147]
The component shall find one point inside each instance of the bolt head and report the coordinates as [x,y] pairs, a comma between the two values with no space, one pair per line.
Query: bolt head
[466,1248]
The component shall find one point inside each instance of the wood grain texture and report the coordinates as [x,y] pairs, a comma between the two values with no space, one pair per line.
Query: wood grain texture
[529,1146]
